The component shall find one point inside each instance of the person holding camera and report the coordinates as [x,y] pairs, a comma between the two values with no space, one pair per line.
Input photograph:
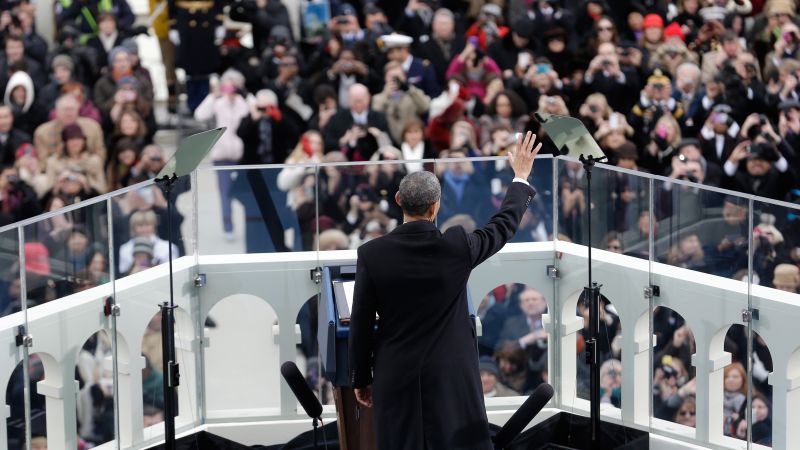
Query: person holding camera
[787,46]
[474,66]
[718,135]
[18,201]
[655,101]
[267,135]
[607,76]
[417,72]
[226,105]
[766,172]
[347,71]
[400,100]
[350,128]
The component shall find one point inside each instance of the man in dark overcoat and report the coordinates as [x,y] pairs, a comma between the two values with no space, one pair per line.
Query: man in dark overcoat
[420,369]
[194,29]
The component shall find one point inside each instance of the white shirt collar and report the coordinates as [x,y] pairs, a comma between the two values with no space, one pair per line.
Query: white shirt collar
[407,63]
[359,119]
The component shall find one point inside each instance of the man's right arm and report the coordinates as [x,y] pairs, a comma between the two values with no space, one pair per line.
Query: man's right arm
[488,240]
[362,325]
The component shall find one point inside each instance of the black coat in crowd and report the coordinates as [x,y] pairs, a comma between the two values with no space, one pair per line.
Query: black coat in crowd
[10,143]
[423,360]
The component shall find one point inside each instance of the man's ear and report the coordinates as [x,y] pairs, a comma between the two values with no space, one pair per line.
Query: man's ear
[397,197]
[434,209]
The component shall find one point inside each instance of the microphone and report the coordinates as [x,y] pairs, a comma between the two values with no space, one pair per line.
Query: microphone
[523,416]
[301,391]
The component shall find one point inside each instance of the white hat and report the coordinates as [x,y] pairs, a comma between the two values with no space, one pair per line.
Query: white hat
[492,9]
[395,40]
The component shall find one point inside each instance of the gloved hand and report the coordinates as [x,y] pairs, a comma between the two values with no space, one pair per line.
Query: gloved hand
[175,37]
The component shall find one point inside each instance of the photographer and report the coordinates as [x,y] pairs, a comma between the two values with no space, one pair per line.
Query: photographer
[607,76]
[267,135]
[418,73]
[227,105]
[399,101]
[350,128]
[718,135]
[475,67]
[787,46]
[348,71]
[17,200]
[655,101]
[690,165]
[766,173]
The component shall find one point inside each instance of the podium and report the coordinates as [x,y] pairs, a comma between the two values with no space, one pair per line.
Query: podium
[355,422]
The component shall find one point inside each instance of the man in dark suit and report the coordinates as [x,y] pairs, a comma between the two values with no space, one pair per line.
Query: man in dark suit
[349,127]
[609,77]
[10,138]
[442,45]
[420,370]
[526,329]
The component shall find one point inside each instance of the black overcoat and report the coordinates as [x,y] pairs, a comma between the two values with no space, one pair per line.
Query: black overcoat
[424,360]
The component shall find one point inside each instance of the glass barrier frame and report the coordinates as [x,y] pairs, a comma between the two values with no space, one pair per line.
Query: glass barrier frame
[555,358]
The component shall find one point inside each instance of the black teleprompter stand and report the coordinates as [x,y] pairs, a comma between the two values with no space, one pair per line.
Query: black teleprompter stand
[169,365]
[591,296]
[190,153]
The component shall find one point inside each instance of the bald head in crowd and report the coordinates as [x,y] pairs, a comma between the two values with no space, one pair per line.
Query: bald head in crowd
[359,98]
[67,108]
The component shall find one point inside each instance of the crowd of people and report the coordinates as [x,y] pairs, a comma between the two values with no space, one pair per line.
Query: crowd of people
[704,91]
[514,351]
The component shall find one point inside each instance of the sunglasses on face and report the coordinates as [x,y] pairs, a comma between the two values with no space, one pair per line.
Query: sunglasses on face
[687,413]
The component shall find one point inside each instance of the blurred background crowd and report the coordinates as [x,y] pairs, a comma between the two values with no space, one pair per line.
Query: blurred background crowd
[697,91]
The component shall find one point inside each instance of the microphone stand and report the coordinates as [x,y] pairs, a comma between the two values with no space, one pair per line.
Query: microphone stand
[591,295]
[169,366]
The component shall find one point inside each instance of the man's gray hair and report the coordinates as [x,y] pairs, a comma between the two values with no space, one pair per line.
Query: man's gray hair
[418,191]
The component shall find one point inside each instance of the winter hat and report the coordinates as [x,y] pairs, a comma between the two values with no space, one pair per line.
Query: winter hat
[674,30]
[653,21]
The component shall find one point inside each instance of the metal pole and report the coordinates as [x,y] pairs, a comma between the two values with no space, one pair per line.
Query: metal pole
[750,317]
[592,296]
[114,344]
[23,297]
[169,365]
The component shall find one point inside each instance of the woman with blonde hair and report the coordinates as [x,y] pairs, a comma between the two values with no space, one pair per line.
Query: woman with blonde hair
[594,111]
[662,145]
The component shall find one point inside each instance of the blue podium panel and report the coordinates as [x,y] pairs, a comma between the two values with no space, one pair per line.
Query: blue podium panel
[334,319]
